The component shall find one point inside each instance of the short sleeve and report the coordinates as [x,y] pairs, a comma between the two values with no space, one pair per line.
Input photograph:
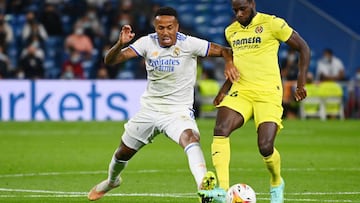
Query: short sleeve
[281,30]
[140,45]
[199,46]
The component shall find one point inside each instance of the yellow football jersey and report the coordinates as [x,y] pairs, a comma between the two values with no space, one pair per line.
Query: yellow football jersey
[255,51]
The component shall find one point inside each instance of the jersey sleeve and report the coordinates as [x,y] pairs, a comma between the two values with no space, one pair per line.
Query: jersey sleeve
[199,46]
[281,30]
[140,45]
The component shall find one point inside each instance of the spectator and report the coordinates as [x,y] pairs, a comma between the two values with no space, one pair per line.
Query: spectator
[107,14]
[96,3]
[67,72]
[102,73]
[16,6]
[3,6]
[91,24]
[330,67]
[31,63]
[72,67]
[79,42]
[124,18]
[111,70]
[289,71]
[289,66]
[353,105]
[6,33]
[51,20]
[4,64]
[33,28]
[39,51]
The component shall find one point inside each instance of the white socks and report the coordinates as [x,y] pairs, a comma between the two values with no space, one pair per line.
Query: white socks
[196,161]
[115,168]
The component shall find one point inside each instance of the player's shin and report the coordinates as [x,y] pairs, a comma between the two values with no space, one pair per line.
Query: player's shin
[115,168]
[273,164]
[220,150]
[196,161]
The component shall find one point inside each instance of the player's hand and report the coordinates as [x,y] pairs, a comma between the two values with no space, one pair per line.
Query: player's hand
[231,72]
[218,99]
[126,34]
[300,93]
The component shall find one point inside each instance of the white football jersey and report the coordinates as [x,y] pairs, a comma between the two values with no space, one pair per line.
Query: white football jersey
[171,71]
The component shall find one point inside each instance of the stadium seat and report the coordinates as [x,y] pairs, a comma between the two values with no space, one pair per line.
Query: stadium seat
[332,96]
[324,100]
[203,8]
[312,106]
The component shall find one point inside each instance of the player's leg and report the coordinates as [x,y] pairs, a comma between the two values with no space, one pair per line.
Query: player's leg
[181,127]
[189,141]
[117,164]
[138,131]
[267,116]
[266,136]
[227,120]
[186,134]
[205,180]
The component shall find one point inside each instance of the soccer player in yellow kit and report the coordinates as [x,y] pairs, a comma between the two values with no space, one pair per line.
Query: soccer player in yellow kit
[255,38]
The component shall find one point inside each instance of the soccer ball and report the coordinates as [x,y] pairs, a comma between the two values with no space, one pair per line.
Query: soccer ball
[240,193]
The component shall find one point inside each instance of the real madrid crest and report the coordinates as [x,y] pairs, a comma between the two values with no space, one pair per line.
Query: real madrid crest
[259,29]
[155,54]
[176,51]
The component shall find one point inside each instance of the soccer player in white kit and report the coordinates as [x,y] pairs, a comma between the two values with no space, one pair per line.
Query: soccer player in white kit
[167,103]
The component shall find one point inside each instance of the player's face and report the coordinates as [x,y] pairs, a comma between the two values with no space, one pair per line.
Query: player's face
[166,27]
[244,11]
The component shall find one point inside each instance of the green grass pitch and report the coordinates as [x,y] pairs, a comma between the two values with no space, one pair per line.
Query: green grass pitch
[60,161]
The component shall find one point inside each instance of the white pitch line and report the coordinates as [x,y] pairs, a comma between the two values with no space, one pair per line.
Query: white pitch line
[82,194]
[160,171]
[324,193]
[57,194]
[51,174]
[317,200]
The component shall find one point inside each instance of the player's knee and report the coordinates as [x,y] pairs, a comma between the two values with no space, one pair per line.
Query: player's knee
[221,130]
[124,153]
[266,149]
[188,137]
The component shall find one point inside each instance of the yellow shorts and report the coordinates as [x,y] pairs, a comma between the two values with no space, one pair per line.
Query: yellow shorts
[263,106]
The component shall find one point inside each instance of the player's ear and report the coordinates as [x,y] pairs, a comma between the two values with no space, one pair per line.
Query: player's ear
[177,26]
[154,22]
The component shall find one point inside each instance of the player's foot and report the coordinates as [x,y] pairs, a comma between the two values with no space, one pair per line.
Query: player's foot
[209,181]
[277,193]
[99,190]
[209,192]
[216,195]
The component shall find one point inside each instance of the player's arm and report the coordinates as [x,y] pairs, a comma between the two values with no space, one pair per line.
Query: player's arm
[230,71]
[222,92]
[118,53]
[298,43]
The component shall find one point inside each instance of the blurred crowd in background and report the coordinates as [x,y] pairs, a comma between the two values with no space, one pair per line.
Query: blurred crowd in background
[52,39]
[67,39]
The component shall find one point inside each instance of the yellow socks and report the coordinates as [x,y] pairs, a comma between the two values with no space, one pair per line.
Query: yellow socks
[220,150]
[273,163]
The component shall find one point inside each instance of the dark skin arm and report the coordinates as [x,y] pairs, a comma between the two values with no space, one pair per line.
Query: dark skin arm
[118,53]
[222,92]
[298,43]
